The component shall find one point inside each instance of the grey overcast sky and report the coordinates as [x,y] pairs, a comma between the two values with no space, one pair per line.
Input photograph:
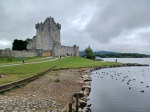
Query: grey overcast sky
[110,25]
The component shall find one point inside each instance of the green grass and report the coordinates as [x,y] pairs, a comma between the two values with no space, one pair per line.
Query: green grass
[77,62]
[33,59]
[14,73]
[27,59]
[4,60]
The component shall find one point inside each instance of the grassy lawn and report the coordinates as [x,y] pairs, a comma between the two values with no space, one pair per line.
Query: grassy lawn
[14,73]
[77,62]
[4,60]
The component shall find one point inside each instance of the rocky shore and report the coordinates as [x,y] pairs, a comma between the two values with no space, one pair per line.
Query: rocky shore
[80,98]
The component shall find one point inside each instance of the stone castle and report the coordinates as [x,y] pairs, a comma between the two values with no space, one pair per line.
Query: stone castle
[45,43]
[47,40]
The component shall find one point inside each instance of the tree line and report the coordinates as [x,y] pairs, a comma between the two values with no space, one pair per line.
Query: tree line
[89,54]
[123,55]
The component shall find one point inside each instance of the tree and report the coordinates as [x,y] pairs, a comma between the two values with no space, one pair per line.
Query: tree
[88,53]
[7,49]
[19,45]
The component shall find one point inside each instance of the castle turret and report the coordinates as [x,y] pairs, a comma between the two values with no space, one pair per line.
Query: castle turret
[47,33]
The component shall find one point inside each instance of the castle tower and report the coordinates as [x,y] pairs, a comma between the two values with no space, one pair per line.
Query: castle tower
[47,40]
[47,34]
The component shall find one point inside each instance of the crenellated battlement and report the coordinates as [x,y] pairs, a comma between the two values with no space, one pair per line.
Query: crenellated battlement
[48,23]
[47,40]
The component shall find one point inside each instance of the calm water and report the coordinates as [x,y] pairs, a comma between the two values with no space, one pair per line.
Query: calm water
[119,89]
[129,60]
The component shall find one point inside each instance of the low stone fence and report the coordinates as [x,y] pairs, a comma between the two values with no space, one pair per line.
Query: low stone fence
[10,53]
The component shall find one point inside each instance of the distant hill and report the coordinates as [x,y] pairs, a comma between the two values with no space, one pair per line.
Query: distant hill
[104,52]
[81,53]
[109,54]
[123,55]
[99,52]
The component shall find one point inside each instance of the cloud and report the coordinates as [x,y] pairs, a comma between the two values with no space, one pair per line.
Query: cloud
[19,17]
[4,43]
[118,16]
[116,25]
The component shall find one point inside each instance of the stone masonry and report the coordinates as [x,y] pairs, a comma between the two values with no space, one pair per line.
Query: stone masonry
[47,40]
[10,53]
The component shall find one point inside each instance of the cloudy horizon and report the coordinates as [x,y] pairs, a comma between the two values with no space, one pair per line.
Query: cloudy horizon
[110,25]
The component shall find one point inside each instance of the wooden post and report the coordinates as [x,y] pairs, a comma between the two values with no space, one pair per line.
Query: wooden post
[77,98]
[70,107]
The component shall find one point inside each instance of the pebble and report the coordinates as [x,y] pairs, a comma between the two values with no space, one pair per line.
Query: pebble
[27,104]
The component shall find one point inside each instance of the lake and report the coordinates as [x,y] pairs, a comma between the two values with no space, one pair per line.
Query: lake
[129,60]
[122,89]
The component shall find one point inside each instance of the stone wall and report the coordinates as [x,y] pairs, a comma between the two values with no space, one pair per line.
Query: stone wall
[59,50]
[76,50]
[7,53]
[69,51]
[31,43]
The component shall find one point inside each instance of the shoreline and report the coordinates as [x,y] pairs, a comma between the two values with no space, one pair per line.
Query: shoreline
[54,89]
[80,98]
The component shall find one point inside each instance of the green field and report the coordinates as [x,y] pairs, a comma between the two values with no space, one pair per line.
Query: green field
[14,73]
[19,60]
